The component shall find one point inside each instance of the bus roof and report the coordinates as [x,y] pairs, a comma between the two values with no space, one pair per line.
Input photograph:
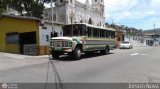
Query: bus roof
[94,26]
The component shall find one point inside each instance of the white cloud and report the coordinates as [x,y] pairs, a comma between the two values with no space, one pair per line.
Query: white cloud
[119,9]
[119,5]
[148,23]
[134,15]
[141,12]
[154,4]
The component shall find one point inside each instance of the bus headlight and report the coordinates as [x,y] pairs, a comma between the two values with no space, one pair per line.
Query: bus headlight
[66,44]
[70,44]
[51,43]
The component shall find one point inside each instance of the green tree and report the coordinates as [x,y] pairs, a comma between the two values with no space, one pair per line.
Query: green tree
[31,8]
[2,7]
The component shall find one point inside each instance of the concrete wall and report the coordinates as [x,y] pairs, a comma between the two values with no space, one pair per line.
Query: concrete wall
[43,33]
[9,25]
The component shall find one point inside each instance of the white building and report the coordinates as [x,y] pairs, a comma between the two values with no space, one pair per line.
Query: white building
[72,11]
[45,32]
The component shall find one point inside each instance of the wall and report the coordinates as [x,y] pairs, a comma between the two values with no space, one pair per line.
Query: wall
[44,42]
[8,25]
[119,38]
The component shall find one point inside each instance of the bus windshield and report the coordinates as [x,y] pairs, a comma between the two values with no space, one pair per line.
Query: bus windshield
[74,30]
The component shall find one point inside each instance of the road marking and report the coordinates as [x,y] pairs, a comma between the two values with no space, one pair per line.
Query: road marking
[144,54]
[135,54]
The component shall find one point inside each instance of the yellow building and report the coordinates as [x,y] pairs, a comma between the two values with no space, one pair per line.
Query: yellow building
[24,35]
[17,31]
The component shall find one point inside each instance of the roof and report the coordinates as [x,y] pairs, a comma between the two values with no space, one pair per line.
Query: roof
[49,22]
[19,17]
[152,31]
[94,26]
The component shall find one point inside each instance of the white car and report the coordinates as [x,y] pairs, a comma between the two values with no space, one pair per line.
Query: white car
[126,45]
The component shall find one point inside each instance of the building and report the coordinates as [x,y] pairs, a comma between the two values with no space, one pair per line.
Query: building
[152,37]
[25,35]
[120,33]
[46,32]
[72,11]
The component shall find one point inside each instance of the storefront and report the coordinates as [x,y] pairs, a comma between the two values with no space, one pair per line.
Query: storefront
[23,35]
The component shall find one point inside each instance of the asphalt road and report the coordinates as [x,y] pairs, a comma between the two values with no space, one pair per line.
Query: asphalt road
[138,65]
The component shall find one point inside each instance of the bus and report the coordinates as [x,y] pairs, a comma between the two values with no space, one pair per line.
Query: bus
[82,38]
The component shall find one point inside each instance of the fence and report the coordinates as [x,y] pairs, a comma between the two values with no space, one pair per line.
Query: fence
[30,49]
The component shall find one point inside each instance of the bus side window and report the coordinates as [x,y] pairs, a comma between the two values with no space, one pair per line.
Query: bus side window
[95,32]
[89,32]
[113,34]
[107,34]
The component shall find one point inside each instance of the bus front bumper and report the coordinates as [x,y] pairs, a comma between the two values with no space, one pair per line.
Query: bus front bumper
[64,50]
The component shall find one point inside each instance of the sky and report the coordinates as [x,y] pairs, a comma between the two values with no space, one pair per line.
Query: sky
[141,14]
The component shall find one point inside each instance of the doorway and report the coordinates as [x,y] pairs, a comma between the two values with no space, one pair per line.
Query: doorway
[25,39]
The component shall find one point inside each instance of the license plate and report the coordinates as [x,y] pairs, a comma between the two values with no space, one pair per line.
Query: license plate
[57,48]
[59,44]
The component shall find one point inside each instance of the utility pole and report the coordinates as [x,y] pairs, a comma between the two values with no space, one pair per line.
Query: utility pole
[154,36]
[154,31]
[52,17]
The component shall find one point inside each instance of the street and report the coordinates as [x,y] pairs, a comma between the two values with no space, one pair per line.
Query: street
[137,65]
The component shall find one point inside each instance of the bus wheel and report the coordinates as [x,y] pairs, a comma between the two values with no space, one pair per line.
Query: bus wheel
[55,56]
[105,52]
[77,54]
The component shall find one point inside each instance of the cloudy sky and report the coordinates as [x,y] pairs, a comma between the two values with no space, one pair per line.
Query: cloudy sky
[141,14]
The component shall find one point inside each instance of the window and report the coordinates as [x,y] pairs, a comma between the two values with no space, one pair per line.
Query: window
[89,30]
[77,30]
[71,1]
[67,31]
[47,38]
[108,34]
[12,38]
[45,28]
[54,17]
[112,34]
[102,33]
[96,32]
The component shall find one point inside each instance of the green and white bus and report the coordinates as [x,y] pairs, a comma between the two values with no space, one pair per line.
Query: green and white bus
[82,38]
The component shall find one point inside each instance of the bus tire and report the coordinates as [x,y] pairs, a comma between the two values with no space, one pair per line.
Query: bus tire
[106,51]
[77,53]
[55,56]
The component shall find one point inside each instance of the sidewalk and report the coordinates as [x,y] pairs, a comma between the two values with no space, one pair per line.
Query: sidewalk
[20,56]
[10,61]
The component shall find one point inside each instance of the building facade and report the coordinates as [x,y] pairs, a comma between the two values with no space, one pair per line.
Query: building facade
[72,11]
[25,35]
[16,32]
[46,32]
[151,37]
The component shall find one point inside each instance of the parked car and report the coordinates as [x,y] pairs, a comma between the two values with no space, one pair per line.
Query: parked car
[126,45]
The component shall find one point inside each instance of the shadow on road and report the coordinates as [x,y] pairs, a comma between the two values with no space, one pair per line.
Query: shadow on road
[84,56]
